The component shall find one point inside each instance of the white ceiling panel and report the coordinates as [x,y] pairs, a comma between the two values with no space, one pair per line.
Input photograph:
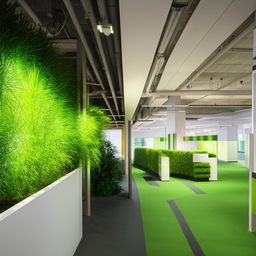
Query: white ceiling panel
[142,23]
[211,23]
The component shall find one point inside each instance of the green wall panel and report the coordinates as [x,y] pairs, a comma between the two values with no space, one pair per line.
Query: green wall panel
[171,141]
[201,138]
[209,146]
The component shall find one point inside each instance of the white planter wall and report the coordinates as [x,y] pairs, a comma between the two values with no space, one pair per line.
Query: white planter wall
[48,223]
[164,169]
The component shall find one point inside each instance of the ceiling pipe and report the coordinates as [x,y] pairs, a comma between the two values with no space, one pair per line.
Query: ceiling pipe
[117,45]
[88,9]
[87,50]
[33,16]
[196,92]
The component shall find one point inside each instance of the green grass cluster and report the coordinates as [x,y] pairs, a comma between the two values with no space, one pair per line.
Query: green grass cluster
[42,135]
[181,162]
[201,138]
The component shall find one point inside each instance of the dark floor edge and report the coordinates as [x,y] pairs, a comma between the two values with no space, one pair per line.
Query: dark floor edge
[150,181]
[146,170]
[194,245]
[193,187]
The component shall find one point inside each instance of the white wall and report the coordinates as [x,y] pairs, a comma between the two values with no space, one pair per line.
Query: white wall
[190,145]
[115,137]
[149,133]
[48,223]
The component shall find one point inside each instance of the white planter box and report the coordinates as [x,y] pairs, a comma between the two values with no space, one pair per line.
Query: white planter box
[164,170]
[211,160]
[48,223]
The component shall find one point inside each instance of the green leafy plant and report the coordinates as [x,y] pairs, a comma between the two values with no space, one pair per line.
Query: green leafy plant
[107,176]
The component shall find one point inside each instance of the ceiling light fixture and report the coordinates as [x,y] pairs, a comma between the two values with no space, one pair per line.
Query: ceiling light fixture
[106,29]
[176,13]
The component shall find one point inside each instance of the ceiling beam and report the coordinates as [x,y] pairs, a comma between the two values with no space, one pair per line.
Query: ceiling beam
[194,106]
[68,45]
[100,92]
[196,92]
[246,50]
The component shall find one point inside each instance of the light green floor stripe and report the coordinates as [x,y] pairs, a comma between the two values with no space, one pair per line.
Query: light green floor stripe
[218,219]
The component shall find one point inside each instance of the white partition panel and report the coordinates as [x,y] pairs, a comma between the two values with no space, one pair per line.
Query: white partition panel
[48,223]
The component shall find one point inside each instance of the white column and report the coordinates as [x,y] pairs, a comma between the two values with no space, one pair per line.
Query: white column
[128,146]
[227,143]
[83,97]
[252,172]
[176,122]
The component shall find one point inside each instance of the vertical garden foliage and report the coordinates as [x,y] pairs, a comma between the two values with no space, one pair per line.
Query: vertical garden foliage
[40,127]
[94,121]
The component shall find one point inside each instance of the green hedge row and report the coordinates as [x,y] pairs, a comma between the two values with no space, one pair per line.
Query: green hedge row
[181,162]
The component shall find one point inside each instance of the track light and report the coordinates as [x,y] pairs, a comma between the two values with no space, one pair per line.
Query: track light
[156,68]
[176,13]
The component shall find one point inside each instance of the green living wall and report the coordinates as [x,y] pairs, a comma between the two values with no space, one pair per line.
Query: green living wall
[42,133]
[201,138]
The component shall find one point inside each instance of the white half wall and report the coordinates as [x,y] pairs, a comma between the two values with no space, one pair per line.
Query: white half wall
[48,223]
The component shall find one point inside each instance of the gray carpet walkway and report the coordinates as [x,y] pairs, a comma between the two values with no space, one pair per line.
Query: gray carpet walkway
[115,227]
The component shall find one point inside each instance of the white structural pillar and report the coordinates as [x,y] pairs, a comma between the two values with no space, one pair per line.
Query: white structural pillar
[128,148]
[176,123]
[252,172]
[227,143]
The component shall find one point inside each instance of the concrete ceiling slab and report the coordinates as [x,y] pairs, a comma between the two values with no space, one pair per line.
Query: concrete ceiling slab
[211,23]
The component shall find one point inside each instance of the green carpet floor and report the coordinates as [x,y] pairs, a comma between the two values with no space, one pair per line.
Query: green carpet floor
[218,219]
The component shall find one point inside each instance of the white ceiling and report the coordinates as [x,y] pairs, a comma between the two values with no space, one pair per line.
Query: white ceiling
[211,23]
[142,23]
